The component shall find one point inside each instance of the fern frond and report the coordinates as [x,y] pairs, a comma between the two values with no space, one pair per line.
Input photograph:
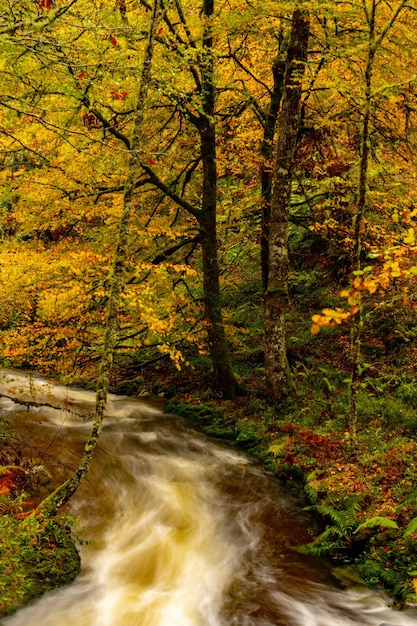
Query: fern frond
[330,539]
[326,510]
[383,522]
[350,521]
[332,534]
[412,527]
[311,492]
[318,548]
[410,499]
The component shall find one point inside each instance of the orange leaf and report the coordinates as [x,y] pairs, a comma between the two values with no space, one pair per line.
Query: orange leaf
[370,285]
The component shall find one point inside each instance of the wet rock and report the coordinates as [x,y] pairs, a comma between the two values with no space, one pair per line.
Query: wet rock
[41,474]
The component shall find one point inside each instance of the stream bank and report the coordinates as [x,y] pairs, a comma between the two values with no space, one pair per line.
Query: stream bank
[214,418]
[373,487]
[182,531]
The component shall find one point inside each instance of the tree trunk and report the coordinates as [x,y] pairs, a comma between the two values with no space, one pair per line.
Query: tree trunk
[223,374]
[375,39]
[63,493]
[357,322]
[219,351]
[276,300]
[266,170]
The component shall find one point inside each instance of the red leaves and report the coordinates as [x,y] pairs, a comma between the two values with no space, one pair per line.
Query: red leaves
[90,120]
[119,95]
[7,483]
[45,4]
[113,41]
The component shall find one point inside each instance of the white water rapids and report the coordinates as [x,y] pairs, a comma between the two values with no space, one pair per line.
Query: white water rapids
[180,531]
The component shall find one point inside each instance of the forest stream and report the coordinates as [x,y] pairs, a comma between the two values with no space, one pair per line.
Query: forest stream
[177,529]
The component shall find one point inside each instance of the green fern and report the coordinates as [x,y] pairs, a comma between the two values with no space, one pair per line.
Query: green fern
[411,528]
[382,522]
[344,525]
[344,520]
[410,499]
[309,487]
[318,548]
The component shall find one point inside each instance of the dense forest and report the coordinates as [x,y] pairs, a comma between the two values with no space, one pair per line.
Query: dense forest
[216,201]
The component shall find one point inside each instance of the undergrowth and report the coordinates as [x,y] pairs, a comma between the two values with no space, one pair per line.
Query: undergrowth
[365,494]
[35,556]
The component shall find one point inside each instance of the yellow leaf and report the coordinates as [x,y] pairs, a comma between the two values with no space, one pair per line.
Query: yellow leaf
[370,285]
[315,329]
[335,314]
[410,237]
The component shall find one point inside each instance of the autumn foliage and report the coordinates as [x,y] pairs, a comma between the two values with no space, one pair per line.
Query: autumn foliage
[68,97]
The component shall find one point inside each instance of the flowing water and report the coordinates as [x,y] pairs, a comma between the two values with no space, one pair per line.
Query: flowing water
[178,530]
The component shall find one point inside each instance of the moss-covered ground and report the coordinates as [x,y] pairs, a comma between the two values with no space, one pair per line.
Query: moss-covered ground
[35,556]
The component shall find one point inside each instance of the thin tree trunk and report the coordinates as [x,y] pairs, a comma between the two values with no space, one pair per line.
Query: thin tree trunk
[266,170]
[276,300]
[357,322]
[375,40]
[222,368]
[63,493]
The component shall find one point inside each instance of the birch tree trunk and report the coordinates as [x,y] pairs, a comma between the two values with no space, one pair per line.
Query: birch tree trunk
[63,493]
[276,299]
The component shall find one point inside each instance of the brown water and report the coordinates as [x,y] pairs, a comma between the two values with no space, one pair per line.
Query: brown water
[181,531]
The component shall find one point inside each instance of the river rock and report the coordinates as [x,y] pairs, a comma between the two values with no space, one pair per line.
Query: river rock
[41,473]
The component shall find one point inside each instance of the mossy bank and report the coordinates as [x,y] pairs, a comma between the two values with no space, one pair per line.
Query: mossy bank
[36,555]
